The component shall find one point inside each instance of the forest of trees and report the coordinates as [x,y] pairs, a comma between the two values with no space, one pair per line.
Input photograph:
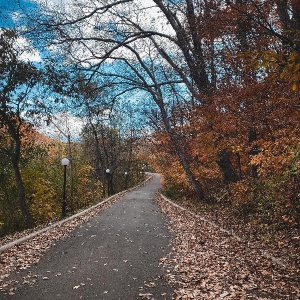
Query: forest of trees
[213,87]
[31,174]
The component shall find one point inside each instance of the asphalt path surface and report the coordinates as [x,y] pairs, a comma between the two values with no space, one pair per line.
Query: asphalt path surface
[113,256]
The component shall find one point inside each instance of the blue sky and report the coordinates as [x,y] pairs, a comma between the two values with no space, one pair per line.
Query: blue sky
[8,18]
[8,8]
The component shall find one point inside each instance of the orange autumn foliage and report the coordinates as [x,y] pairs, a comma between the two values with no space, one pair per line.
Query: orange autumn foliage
[267,163]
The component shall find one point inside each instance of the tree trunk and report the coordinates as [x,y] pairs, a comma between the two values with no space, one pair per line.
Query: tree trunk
[197,187]
[224,162]
[21,188]
[182,155]
[111,184]
[99,161]
[254,150]
[191,44]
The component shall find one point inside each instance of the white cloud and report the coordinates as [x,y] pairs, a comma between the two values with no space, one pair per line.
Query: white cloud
[62,125]
[26,51]
[60,2]
[55,2]
[142,12]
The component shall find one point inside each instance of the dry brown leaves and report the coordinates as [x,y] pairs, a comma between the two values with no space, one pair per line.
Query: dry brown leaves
[25,254]
[208,262]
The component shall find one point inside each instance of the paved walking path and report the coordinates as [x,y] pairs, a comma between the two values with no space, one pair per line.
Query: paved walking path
[113,256]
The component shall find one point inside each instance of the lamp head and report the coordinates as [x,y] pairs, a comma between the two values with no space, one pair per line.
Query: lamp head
[65,161]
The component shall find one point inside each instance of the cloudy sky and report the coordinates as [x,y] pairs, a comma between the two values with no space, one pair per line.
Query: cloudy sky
[9,17]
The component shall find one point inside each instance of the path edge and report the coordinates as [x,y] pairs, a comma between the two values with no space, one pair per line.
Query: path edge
[230,232]
[79,214]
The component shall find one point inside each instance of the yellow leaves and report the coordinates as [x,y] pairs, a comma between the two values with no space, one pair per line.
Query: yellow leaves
[237,149]
[287,65]
[174,175]
[44,205]
[274,157]
[83,172]
[274,63]
[84,181]
[294,86]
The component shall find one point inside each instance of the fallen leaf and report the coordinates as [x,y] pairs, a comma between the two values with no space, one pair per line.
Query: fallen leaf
[76,287]
[146,296]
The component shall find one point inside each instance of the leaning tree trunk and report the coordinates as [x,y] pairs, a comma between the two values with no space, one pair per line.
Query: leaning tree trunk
[197,187]
[181,153]
[20,187]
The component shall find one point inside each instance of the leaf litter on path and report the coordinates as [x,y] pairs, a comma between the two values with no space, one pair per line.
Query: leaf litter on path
[22,256]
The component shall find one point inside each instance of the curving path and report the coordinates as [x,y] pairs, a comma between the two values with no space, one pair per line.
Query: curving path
[113,256]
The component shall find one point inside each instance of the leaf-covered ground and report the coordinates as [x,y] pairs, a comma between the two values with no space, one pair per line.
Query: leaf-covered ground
[29,252]
[211,262]
[207,261]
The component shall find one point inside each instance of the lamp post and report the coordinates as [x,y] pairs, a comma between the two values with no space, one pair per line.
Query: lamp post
[65,161]
[143,172]
[126,180]
[108,181]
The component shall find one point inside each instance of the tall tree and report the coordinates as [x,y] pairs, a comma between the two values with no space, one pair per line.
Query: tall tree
[17,80]
[212,53]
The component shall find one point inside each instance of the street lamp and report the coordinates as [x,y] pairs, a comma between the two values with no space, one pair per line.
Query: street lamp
[143,172]
[126,180]
[108,181]
[65,161]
